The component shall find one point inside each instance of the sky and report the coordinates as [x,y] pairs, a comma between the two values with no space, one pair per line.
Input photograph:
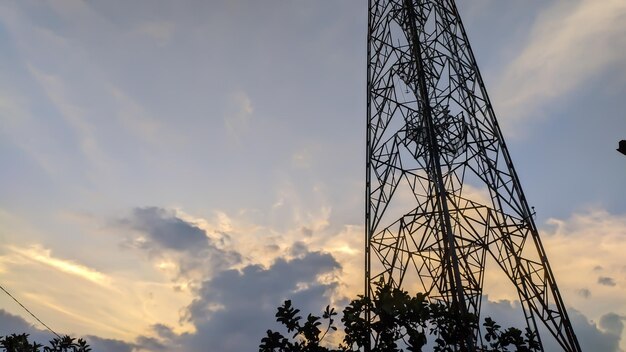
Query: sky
[172,171]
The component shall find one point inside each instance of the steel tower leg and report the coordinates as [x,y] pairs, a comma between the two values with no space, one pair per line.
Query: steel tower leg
[441,190]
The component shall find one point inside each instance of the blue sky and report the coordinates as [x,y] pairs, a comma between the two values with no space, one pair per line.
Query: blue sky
[173,171]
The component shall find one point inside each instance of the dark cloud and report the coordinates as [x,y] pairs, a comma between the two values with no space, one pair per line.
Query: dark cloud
[590,337]
[612,324]
[233,309]
[152,344]
[13,324]
[164,331]
[256,287]
[99,344]
[165,229]
[167,235]
[298,249]
[606,281]
[604,338]
[165,339]
[306,231]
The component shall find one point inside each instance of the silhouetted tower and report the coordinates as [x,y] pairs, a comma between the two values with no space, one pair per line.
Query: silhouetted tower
[442,193]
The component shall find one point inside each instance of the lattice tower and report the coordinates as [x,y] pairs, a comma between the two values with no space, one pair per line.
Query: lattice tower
[441,191]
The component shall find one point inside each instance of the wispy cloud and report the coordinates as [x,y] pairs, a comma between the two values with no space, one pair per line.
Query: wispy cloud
[44,256]
[134,117]
[21,128]
[75,298]
[238,114]
[569,44]
[74,115]
[159,31]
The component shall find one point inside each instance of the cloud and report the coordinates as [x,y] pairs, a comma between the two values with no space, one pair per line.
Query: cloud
[135,118]
[595,237]
[166,230]
[71,296]
[75,116]
[238,114]
[18,122]
[159,31]
[602,338]
[232,288]
[248,300]
[590,336]
[584,292]
[233,309]
[44,256]
[13,324]
[570,43]
[151,344]
[606,281]
[612,323]
[178,244]
[99,344]
[586,250]
[582,248]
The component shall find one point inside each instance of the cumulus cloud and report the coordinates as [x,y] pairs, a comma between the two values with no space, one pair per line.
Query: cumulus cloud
[570,43]
[233,309]
[590,336]
[612,324]
[604,337]
[166,230]
[177,244]
[234,294]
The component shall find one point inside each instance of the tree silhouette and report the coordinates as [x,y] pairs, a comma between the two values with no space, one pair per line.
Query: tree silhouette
[20,343]
[400,322]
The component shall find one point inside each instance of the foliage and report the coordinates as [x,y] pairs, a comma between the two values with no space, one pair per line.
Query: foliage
[400,322]
[20,343]
[499,340]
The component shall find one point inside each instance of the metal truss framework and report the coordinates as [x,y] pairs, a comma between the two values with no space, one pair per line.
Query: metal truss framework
[442,194]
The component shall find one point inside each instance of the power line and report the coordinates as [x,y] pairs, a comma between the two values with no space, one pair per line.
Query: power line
[29,312]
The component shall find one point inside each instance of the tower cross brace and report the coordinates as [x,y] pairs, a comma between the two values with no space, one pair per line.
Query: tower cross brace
[442,194]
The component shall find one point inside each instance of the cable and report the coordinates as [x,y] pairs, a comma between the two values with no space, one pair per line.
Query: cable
[29,312]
